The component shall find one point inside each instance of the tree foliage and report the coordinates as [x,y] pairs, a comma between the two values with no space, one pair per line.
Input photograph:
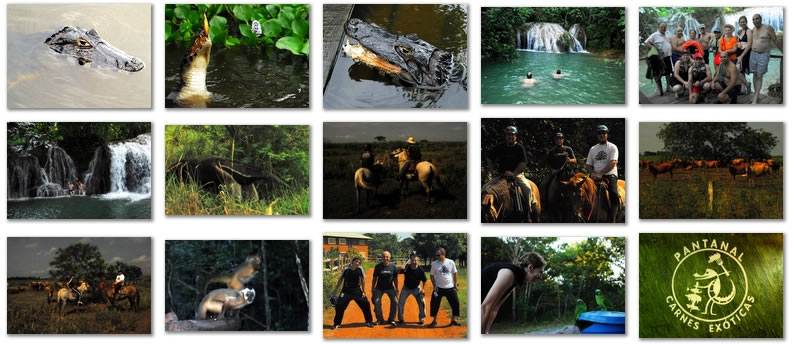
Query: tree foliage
[31,134]
[573,271]
[716,140]
[424,244]
[85,260]
[605,26]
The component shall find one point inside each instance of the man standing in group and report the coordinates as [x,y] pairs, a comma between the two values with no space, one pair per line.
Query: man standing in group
[705,42]
[659,41]
[444,277]
[602,162]
[414,275]
[761,40]
[353,290]
[557,158]
[384,281]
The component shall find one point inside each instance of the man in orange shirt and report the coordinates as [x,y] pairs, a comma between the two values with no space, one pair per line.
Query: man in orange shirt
[728,43]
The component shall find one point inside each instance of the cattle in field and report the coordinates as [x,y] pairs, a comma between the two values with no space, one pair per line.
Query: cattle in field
[700,163]
[737,161]
[711,163]
[643,164]
[661,168]
[738,169]
[758,169]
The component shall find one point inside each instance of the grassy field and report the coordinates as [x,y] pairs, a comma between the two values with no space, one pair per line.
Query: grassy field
[685,196]
[762,261]
[29,313]
[340,162]
[192,199]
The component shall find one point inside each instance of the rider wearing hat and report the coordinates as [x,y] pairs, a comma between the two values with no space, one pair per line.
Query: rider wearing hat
[118,284]
[556,158]
[602,162]
[414,157]
[509,159]
[72,285]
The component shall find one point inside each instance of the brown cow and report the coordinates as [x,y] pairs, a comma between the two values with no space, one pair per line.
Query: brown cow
[738,169]
[759,169]
[737,161]
[712,163]
[643,164]
[661,168]
[700,163]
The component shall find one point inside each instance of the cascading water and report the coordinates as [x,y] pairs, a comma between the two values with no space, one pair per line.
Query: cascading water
[549,37]
[772,16]
[130,168]
[27,178]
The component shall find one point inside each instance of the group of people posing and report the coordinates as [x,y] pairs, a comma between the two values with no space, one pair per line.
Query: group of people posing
[76,188]
[443,278]
[684,62]
[509,160]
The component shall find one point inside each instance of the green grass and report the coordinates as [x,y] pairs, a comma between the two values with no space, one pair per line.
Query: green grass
[191,199]
[762,261]
[463,297]
[509,327]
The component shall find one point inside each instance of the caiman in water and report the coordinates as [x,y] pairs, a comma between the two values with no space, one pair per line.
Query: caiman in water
[192,89]
[87,47]
[408,57]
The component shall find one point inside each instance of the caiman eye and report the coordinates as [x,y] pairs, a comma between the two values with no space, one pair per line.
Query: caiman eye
[405,50]
[83,43]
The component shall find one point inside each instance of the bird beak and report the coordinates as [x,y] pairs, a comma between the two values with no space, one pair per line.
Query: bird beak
[206,26]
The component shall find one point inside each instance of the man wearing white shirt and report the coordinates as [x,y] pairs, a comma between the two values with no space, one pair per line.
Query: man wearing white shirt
[444,276]
[117,285]
[602,162]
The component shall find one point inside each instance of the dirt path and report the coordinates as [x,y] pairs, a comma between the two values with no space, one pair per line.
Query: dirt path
[353,325]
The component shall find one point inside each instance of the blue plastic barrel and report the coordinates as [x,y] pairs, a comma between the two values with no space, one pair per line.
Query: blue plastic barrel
[602,322]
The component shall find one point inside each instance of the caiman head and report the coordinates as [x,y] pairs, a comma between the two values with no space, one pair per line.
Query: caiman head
[87,47]
[193,69]
[412,59]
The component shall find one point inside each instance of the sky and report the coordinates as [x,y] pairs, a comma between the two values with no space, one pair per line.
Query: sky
[341,132]
[649,141]
[30,257]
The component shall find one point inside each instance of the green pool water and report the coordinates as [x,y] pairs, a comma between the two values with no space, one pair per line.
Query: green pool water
[592,80]
[88,207]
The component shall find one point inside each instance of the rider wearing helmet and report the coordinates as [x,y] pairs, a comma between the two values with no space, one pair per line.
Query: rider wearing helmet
[556,158]
[602,162]
[117,285]
[72,285]
[509,159]
[414,157]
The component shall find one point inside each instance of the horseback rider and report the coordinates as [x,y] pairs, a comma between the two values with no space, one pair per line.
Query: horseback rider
[72,285]
[557,158]
[414,157]
[367,159]
[509,159]
[602,162]
[117,285]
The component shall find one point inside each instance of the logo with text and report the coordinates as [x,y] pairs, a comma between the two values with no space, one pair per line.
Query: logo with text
[709,288]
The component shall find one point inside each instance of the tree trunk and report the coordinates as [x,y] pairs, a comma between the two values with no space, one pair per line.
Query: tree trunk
[304,285]
[264,283]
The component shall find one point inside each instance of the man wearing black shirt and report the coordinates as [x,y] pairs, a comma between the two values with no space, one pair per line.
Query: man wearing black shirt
[384,281]
[509,160]
[353,290]
[556,158]
[414,274]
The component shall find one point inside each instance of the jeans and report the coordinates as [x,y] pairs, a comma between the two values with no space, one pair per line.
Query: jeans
[420,300]
[360,300]
[376,299]
[452,297]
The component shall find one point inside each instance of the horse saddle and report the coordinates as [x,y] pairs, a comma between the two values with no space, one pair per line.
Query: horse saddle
[410,173]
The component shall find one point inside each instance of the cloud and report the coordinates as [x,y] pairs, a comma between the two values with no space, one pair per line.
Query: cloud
[49,252]
[32,245]
[117,259]
[144,259]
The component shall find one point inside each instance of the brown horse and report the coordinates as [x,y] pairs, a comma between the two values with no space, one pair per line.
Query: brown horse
[129,293]
[367,180]
[589,203]
[65,295]
[424,171]
[497,204]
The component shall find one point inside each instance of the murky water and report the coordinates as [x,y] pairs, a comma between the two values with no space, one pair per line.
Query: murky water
[648,87]
[245,77]
[592,80]
[87,207]
[41,78]
[354,85]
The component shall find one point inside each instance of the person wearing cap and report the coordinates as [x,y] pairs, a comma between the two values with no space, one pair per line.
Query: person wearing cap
[557,158]
[509,159]
[117,285]
[726,80]
[762,36]
[728,42]
[414,157]
[699,78]
[529,81]
[602,162]
[705,42]
[677,41]
[681,74]
[367,158]
[659,41]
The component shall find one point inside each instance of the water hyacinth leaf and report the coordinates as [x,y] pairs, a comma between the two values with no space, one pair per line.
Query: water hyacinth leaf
[168,31]
[169,13]
[284,20]
[218,21]
[289,11]
[242,12]
[259,16]
[273,10]
[193,18]
[182,11]
[245,30]
[232,41]
[217,35]
[305,49]
[271,28]
[300,27]
[202,8]
[291,43]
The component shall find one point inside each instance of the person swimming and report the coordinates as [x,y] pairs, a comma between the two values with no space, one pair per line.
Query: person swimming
[529,81]
[559,75]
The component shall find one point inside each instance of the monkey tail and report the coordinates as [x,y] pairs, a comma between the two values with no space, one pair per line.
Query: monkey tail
[216,279]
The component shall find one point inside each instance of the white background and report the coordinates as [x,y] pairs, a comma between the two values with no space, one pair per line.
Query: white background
[310,227]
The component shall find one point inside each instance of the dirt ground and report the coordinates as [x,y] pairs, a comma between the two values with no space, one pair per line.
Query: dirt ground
[353,325]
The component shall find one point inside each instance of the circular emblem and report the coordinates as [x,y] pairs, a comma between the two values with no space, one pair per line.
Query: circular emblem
[710,285]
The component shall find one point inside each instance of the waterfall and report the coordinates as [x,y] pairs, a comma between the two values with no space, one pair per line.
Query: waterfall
[772,16]
[550,37]
[24,176]
[27,178]
[131,168]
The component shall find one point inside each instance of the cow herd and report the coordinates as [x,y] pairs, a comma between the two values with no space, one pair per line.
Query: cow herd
[736,167]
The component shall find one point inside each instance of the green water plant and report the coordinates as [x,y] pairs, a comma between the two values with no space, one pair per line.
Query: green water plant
[285,26]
